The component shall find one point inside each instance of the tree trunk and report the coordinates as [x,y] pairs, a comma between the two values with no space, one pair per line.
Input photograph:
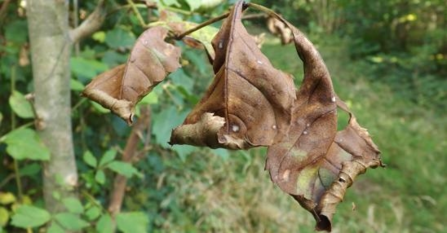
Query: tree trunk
[50,49]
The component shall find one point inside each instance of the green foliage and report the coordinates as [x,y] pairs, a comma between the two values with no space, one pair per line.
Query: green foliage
[125,169]
[73,205]
[105,224]
[20,105]
[25,144]
[30,216]
[70,221]
[132,222]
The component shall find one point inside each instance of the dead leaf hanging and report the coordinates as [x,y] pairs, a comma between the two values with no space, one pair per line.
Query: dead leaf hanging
[150,61]
[314,163]
[248,103]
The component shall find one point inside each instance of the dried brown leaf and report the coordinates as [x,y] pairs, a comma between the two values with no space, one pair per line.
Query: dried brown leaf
[150,61]
[313,163]
[253,98]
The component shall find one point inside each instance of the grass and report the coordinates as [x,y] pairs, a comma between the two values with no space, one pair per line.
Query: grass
[211,193]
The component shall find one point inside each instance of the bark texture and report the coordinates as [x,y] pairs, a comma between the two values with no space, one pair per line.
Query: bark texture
[50,49]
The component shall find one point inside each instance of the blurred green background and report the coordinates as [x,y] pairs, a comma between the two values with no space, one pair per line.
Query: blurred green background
[388,61]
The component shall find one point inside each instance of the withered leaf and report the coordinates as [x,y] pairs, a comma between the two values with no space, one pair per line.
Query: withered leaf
[150,61]
[197,39]
[313,163]
[253,99]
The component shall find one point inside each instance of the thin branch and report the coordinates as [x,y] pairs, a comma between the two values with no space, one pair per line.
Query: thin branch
[119,185]
[137,13]
[3,10]
[91,24]
[204,24]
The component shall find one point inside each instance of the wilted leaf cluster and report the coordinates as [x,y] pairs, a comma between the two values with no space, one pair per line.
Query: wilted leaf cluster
[251,104]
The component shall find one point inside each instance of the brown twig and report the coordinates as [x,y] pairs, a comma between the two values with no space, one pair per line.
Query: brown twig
[91,24]
[3,10]
[119,185]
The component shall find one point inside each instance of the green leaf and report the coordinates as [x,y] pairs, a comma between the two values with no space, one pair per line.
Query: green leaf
[183,151]
[71,221]
[30,169]
[86,68]
[73,205]
[194,4]
[27,216]
[120,38]
[93,213]
[125,169]
[100,177]
[99,108]
[164,127]
[7,198]
[25,144]
[152,98]
[55,228]
[112,58]
[99,36]
[75,85]
[132,222]
[90,159]
[171,3]
[105,224]
[16,31]
[108,157]
[20,105]
[4,216]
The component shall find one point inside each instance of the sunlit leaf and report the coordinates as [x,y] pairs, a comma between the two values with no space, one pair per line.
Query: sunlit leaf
[73,205]
[25,144]
[27,216]
[105,224]
[125,169]
[108,157]
[132,222]
[7,198]
[55,228]
[90,159]
[4,216]
[71,221]
[20,105]
[100,177]
[119,38]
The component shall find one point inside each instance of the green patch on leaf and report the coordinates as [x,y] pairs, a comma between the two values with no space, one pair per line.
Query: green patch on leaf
[55,228]
[100,177]
[71,221]
[125,169]
[75,85]
[108,157]
[99,36]
[7,198]
[73,205]
[30,216]
[25,144]
[93,213]
[86,68]
[90,159]
[4,216]
[120,38]
[105,224]
[20,105]
[132,222]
